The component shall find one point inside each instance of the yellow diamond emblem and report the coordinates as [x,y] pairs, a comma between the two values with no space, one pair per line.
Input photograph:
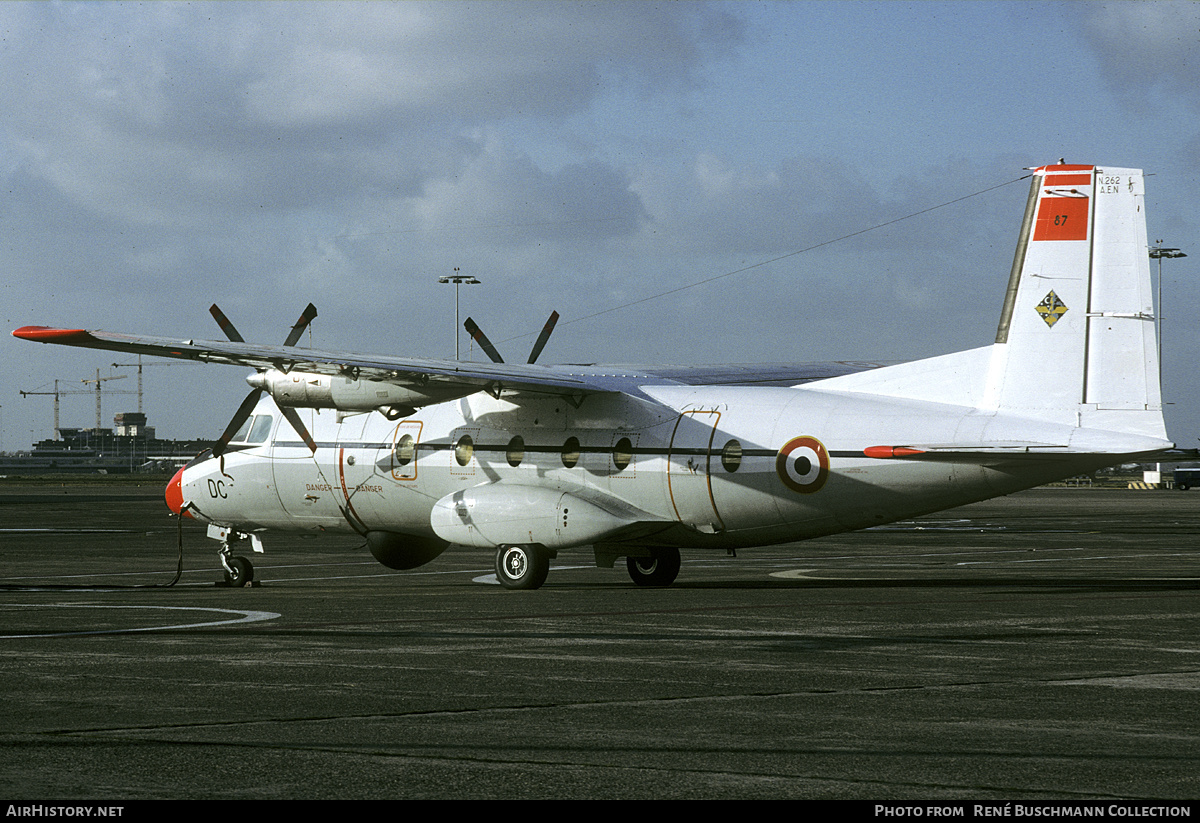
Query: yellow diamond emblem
[1051,309]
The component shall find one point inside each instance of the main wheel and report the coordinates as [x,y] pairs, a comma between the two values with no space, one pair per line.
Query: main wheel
[660,569]
[522,566]
[242,574]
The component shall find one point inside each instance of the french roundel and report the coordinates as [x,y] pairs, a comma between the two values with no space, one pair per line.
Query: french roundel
[803,464]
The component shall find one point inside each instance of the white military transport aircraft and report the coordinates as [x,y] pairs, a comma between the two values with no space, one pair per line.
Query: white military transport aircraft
[528,460]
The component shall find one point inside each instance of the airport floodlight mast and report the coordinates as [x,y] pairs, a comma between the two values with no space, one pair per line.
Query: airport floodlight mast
[458,280]
[1158,253]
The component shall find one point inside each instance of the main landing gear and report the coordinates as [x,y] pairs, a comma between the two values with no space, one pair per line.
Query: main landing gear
[525,566]
[522,566]
[659,569]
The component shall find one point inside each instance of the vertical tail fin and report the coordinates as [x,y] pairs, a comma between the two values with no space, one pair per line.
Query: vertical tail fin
[1076,340]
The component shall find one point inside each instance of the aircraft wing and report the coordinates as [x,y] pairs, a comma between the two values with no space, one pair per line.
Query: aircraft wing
[760,374]
[481,376]
[564,379]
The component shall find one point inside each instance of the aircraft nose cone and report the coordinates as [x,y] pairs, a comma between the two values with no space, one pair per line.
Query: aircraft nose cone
[174,493]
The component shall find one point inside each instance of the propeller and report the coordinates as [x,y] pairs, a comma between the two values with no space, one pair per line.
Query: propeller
[306,317]
[479,337]
[490,350]
[542,338]
[247,407]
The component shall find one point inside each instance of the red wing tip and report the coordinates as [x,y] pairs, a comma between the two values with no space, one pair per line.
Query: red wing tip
[45,334]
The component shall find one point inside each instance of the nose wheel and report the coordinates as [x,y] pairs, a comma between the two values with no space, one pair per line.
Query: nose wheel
[239,571]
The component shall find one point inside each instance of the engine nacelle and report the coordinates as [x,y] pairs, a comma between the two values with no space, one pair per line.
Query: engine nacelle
[403,551]
[322,391]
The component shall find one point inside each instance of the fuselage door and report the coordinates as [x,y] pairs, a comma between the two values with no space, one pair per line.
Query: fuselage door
[305,490]
[689,463]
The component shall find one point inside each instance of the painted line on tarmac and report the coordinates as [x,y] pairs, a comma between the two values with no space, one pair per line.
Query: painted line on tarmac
[243,616]
[800,574]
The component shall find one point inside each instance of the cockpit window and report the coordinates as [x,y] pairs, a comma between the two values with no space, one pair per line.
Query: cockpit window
[261,430]
[243,432]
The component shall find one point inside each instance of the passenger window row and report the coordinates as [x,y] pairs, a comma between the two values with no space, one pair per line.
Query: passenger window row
[405,452]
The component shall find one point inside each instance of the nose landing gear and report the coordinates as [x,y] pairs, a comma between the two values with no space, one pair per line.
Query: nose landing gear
[239,571]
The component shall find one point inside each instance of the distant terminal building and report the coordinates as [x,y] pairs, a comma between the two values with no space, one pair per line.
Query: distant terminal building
[129,447]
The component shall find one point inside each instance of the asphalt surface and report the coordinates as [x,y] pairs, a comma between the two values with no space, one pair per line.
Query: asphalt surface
[1039,647]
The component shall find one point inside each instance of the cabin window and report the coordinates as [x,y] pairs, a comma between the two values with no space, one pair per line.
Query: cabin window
[261,429]
[516,451]
[406,450]
[622,454]
[464,449]
[731,456]
[570,452]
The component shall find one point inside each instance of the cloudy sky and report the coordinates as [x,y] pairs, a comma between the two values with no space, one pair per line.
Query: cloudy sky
[579,157]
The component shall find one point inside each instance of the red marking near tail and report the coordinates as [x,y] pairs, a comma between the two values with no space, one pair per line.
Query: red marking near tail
[890,451]
[1068,180]
[1062,218]
[1064,168]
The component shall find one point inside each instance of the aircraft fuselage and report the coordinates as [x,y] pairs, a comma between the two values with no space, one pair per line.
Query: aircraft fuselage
[705,467]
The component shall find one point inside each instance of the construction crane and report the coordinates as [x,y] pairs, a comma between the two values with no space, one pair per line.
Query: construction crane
[139,365]
[98,380]
[139,375]
[57,394]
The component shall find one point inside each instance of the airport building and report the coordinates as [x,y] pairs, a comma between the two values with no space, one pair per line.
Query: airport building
[129,447]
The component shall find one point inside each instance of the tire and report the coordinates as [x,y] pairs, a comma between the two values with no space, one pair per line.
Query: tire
[242,574]
[660,569]
[1182,486]
[522,566]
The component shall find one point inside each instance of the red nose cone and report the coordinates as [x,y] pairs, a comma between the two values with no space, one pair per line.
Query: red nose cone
[175,494]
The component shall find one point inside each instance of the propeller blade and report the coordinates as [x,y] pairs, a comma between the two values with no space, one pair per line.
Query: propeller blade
[239,418]
[293,417]
[224,323]
[479,337]
[543,337]
[305,318]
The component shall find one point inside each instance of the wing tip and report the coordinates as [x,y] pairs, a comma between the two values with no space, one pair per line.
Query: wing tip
[46,334]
